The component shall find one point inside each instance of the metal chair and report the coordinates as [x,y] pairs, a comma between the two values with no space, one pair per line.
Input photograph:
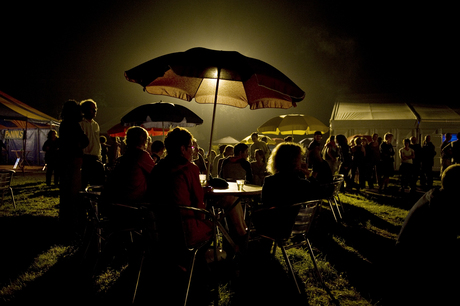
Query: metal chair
[333,196]
[6,176]
[172,236]
[120,226]
[300,216]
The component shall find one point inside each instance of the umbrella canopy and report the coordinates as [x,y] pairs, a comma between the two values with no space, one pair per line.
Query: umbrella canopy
[226,140]
[293,124]
[210,76]
[161,115]
[198,72]
[248,140]
[119,130]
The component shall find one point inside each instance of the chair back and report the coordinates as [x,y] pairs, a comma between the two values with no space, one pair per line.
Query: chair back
[6,176]
[281,222]
[305,217]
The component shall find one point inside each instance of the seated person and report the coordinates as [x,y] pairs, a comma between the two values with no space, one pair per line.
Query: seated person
[128,181]
[198,159]
[259,168]
[321,171]
[228,151]
[237,166]
[284,187]
[175,181]
[428,248]
[157,150]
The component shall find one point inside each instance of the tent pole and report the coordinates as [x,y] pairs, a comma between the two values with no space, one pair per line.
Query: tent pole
[208,168]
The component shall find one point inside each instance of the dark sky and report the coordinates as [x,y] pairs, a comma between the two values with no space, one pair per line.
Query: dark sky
[51,53]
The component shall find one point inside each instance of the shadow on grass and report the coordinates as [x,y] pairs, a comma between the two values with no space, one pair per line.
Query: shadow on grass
[364,255]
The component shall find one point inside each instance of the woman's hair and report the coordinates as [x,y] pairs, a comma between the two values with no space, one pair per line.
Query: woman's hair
[284,157]
[136,136]
[177,138]
[406,140]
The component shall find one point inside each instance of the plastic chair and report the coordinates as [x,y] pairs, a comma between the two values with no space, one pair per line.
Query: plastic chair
[301,217]
[6,176]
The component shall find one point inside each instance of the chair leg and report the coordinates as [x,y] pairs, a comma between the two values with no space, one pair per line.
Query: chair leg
[12,197]
[192,266]
[291,271]
[312,255]
[332,208]
[138,276]
[337,207]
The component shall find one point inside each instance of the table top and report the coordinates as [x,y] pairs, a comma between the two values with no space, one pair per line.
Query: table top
[248,190]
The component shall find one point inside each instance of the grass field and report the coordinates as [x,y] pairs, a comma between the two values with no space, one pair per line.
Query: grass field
[37,265]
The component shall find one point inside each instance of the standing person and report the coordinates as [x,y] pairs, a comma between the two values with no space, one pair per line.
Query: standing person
[104,149]
[417,162]
[345,159]
[407,155]
[314,145]
[331,154]
[258,145]
[428,154]
[51,148]
[456,150]
[113,151]
[446,152]
[387,162]
[72,142]
[92,170]
[358,153]
[227,153]
[373,157]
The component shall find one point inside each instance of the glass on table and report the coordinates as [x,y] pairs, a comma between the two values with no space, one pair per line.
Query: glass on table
[240,184]
[203,179]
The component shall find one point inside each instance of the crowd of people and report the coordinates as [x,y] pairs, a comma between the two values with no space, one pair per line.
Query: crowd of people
[138,170]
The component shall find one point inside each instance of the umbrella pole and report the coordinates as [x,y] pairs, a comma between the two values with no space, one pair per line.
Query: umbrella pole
[208,168]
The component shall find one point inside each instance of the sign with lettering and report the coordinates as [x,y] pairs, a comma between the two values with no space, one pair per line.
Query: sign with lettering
[14,134]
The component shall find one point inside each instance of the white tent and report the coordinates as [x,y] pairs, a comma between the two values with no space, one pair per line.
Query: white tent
[369,114]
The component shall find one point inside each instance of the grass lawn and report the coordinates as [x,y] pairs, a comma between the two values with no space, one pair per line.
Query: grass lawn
[37,265]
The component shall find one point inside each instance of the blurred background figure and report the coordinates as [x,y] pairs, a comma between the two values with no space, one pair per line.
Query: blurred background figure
[157,150]
[51,148]
[104,149]
[259,168]
[428,154]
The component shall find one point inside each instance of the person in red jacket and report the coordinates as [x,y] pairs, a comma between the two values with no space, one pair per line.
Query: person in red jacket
[175,181]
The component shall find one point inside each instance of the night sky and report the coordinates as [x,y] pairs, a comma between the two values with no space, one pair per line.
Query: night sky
[51,53]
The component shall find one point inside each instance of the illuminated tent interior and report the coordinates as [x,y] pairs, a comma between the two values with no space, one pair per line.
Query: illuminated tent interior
[22,127]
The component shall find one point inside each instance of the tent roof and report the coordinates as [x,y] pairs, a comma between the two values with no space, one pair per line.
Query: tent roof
[368,107]
[13,109]
[436,113]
